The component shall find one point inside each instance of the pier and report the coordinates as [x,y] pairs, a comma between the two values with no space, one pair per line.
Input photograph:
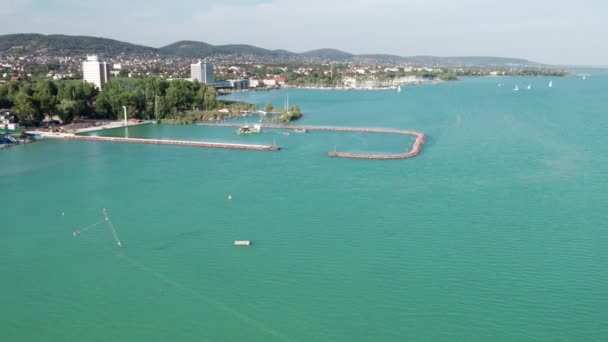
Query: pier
[416,148]
[174,142]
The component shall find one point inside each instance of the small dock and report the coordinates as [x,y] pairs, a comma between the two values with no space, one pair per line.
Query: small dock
[175,142]
[416,148]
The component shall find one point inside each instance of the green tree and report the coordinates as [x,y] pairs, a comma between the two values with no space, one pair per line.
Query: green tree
[199,98]
[296,112]
[210,98]
[269,107]
[69,109]
[45,93]
[27,109]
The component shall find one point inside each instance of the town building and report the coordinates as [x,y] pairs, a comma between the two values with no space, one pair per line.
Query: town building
[95,71]
[202,72]
[222,84]
[7,121]
[239,84]
[270,82]
[281,80]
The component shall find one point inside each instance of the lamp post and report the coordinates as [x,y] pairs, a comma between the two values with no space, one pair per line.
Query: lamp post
[126,128]
[125,110]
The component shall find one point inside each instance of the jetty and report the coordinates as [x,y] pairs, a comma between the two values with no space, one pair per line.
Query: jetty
[174,142]
[416,148]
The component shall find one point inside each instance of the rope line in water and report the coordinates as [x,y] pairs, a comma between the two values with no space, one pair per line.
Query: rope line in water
[192,293]
[213,302]
[111,227]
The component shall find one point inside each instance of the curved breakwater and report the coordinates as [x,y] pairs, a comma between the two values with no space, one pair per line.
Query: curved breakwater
[416,148]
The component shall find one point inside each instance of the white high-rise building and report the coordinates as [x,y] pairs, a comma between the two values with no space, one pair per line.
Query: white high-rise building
[95,71]
[202,72]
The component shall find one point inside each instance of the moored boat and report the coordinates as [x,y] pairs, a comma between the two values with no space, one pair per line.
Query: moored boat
[256,129]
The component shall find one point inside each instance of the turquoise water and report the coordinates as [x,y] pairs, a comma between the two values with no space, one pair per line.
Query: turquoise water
[496,232]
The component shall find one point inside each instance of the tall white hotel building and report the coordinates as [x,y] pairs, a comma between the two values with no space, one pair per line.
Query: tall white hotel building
[95,71]
[202,72]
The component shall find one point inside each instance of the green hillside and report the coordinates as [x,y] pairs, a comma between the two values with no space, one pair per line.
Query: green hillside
[38,44]
[32,44]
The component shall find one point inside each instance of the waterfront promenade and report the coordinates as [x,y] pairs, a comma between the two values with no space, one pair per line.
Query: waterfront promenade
[416,148]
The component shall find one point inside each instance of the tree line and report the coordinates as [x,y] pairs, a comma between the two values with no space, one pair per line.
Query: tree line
[67,99]
[154,98]
[33,102]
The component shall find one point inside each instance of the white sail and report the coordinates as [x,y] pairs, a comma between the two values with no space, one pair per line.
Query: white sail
[550,84]
[516,88]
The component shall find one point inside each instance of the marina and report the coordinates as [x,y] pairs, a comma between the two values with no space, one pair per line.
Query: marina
[416,148]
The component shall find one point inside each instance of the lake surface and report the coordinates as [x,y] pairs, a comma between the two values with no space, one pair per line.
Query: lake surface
[497,231]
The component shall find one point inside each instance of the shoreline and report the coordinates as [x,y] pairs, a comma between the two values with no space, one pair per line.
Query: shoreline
[94,128]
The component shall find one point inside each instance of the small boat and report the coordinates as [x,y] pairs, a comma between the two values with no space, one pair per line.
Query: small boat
[584,77]
[242,243]
[303,130]
[286,133]
[256,129]
[399,89]
[550,84]
[529,87]
[516,88]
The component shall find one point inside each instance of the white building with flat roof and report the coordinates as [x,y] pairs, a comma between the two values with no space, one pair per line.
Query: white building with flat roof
[95,71]
[202,72]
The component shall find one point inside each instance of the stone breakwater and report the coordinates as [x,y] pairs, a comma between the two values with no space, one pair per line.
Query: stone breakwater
[175,142]
[416,148]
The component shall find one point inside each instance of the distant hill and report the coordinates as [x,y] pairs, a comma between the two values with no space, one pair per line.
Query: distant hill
[470,61]
[38,44]
[192,49]
[29,44]
[327,54]
[188,48]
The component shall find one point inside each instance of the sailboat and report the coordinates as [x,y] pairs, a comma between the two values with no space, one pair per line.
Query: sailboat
[516,88]
[398,89]
[550,84]
[287,104]
[529,87]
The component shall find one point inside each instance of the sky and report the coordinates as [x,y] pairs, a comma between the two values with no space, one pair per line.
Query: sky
[547,31]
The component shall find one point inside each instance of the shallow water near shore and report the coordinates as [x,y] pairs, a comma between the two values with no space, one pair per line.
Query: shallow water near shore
[496,231]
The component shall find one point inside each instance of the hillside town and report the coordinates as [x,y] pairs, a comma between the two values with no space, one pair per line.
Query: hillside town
[246,71]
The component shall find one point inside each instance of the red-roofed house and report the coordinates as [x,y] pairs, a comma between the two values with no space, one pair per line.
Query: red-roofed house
[280,80]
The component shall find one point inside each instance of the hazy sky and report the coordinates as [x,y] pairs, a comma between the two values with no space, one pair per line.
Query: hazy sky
[549,31]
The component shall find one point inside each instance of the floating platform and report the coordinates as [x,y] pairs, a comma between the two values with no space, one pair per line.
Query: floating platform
[416,148]
[242,243]
[175,142]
